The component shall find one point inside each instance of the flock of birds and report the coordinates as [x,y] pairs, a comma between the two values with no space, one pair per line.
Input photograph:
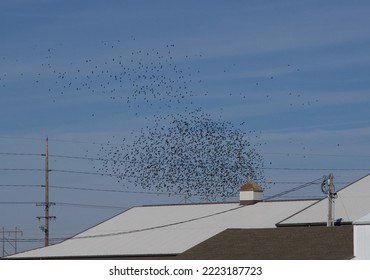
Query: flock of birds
[190,154]
[138,78]
[184,150]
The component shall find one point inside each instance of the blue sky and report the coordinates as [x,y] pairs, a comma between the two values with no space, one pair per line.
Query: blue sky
[295,73]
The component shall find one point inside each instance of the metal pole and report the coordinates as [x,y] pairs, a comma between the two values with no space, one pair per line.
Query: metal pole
[15,239]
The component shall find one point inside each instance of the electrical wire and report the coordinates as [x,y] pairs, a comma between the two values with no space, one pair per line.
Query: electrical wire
[79,142]
[90,205]
[312,154]
[22,169]
[20,154]
[79,157]
[21,138]
[315,169]
[265,168]
[109,190]
[35,240]
[83,172]
[295,189]
[53,140]
[159,226]
[17,202]
[109,174]
[64,204]
[131,161]
[112,190]
[19,186]
[86,189]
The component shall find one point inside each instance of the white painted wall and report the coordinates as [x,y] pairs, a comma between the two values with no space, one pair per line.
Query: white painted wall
[250,195]
[361,238]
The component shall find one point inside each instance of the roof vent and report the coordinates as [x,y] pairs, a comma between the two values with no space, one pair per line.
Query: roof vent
[250,193]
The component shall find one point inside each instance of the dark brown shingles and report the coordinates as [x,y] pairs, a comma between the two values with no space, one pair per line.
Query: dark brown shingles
[288,243]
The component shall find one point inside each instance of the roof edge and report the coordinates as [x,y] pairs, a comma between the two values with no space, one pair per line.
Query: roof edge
[308,224]
[96,257]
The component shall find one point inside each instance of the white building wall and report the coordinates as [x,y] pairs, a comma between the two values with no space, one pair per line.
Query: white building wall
[250,195]
[361,242]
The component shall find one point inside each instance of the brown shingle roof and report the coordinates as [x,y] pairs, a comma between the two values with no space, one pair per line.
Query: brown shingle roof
[288,243]
[251,186]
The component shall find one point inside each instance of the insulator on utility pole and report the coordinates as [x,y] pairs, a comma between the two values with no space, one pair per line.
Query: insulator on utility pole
[327,187]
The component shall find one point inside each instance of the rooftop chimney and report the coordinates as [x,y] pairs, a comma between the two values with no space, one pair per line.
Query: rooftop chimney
[250,193]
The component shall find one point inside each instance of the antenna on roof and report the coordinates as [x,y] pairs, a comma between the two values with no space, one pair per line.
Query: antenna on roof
[185,200]
[327,187]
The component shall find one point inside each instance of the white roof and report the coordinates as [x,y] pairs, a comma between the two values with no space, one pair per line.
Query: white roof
[167,229]
[353,202]
[365,220]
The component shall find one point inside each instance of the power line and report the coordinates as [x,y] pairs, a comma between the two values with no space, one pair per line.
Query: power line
[19,185]
[117,175]
[83,172]
[295,189]
[21,169]
[137,230]
[64,204]
[80,157]
[265,168]
[134,161]
[109,190]
[107,159]
[90,205]
[159,226]
[21,138]
[298,183]
[313,154]
[36,240]
[53,140]
[80,142]
[20,154]
[315,169]
[86,189]
[17,202]
[120,144]
[57,170]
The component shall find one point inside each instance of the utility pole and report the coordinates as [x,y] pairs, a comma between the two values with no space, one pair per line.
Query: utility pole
[327,187]
[3,242]
[9,232]
[15,239]
[330,222]
[46,192]
[46,204]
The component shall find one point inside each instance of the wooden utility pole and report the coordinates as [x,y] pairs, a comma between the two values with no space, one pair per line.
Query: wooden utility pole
[46,229]
[46,203]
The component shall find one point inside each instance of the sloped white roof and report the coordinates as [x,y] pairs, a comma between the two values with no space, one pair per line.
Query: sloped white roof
[365,220]
[167,229]
[353,202]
